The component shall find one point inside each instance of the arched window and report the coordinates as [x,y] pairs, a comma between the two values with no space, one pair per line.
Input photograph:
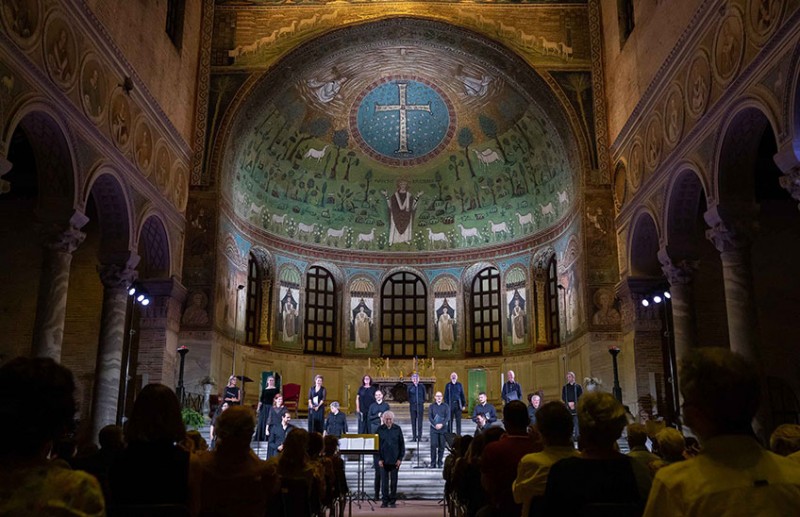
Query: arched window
[320,320]
[486,314]
[551,304]
[252,312]
[404,316]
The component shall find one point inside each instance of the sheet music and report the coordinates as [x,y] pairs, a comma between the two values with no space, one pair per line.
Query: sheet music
[344,444]
[357,443]
[369,444]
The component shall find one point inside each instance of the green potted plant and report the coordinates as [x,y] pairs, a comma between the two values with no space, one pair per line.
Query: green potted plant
[192,419]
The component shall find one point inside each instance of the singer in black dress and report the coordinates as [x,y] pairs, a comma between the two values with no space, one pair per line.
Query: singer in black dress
[316,406]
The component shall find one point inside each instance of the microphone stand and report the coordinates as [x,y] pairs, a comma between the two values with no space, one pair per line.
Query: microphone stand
[417,428]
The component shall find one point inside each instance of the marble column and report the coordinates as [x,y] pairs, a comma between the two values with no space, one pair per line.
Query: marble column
[159,324]
[116,280]
[51,304]
[683,320]
[732,238]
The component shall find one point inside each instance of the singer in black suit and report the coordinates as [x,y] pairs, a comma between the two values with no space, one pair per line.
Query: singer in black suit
[416,401]
[455,398]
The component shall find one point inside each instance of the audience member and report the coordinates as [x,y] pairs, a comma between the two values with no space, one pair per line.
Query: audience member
[500,459]
[324,468]
[601,476]
[637,442]
[331,451]
[480,424]
[785,439]
[485,409]
[233,480]
[457,452]
[438,416]
[733,474]
[671,445]
[37,407]
[336,424]
[153,469]
[534,401]
[99,462]
[554,423]
[467,477]
[194,442]
[390,455]
[298,478]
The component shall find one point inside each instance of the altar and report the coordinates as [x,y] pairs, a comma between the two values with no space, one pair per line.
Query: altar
[395,389]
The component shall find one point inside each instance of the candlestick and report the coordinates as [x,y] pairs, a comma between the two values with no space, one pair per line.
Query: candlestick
[387,364]
[433,364]
[369,363]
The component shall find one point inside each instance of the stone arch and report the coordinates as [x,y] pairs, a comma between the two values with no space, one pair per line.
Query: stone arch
[53,149]
[153,248]
[643,246]
[737,153]
[114,212]
[686,198]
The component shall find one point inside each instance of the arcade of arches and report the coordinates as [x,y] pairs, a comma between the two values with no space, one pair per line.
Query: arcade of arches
[371,187]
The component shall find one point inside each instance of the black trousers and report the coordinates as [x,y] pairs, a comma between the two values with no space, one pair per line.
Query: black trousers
[417,414]
[455,414]
[389,483]
[437,446]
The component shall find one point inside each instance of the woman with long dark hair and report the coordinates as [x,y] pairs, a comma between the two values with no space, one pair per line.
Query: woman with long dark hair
[364,399]
[316,406]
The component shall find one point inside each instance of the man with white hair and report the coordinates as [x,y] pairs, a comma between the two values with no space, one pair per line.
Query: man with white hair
[390,455]
[733,474]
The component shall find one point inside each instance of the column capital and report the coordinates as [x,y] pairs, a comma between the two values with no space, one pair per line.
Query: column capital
[728,232]
[64,237]
[119,275]
[677,273]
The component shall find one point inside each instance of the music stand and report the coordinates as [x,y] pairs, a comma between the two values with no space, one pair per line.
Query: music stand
[360,445]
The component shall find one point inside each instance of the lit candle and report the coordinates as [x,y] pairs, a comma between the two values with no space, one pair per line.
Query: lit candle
[387,364]
[369,363]
[433,364]
[502,381]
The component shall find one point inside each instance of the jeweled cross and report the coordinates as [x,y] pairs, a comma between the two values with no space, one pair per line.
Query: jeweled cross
[403,108]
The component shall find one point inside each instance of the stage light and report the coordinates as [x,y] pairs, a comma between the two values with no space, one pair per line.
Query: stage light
[132,290]
[140,297]
[656,299]
[145,302]
[667,295]
[646,302]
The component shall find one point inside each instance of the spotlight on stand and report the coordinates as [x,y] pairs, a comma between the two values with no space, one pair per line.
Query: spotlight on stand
[657,299]
[645,302]
[667,295]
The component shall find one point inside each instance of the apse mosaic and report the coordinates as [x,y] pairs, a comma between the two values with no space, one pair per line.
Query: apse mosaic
[431,149]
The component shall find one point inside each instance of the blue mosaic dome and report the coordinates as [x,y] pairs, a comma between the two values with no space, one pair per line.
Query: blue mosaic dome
[402,121]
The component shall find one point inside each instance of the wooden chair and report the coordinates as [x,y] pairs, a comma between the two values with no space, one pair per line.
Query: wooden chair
[291,397]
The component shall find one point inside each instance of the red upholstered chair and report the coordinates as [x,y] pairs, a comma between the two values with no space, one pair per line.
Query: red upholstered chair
[291,397]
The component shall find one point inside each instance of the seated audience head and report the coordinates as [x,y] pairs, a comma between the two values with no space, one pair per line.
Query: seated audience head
[295,446]
[156,417]
[721,392]
[315,445]
[554,422]
[331,445]
[111,438]
[637,435]
[515,417]
[235,428]
[195,442]
[601,419]
[37,406]
[785,439]
[671,444]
